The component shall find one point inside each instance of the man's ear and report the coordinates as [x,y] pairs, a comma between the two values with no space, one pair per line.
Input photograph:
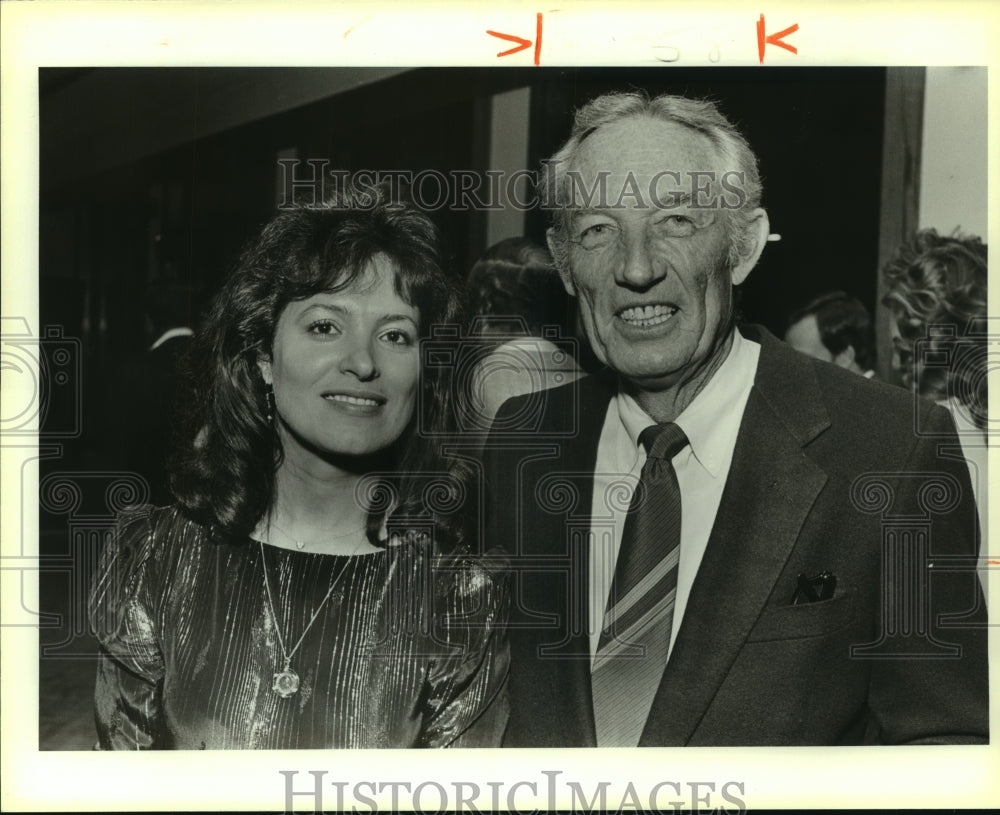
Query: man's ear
[264,363]
[756,234]
[558,250]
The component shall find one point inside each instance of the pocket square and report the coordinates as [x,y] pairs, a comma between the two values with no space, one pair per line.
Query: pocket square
[814,589]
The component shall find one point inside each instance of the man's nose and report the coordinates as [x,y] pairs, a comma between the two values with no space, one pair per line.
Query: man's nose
[639,268]
[359,361]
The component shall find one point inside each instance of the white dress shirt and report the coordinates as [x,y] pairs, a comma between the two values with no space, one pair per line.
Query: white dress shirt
[711,423]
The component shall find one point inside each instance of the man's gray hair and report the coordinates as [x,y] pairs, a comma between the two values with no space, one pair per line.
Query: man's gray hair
[702,116]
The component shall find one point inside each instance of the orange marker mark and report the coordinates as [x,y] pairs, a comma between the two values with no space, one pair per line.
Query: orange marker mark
[522,43]
[538,38]
[764,40]
[993,562]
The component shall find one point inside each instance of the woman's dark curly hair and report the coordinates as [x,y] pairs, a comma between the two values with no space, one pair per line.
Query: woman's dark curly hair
[224,473]
[937,292]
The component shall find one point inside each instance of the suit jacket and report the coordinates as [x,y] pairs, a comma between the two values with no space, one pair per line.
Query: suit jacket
[830,473]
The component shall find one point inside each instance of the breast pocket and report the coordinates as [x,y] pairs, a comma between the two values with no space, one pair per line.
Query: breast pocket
[806,620]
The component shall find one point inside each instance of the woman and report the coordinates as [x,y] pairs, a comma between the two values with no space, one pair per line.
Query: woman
[936,289]
[312,587]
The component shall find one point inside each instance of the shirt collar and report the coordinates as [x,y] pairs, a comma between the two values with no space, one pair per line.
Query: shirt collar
[712,420]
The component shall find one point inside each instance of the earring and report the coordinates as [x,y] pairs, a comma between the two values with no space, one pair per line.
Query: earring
[269,398]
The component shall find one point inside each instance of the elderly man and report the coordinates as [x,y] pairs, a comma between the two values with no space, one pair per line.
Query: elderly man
[720,541]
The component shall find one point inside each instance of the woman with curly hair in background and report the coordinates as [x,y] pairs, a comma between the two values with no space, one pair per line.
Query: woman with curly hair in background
[936,289]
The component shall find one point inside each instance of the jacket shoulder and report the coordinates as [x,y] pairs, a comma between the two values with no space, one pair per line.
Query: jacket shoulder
[878,407]
[557,409]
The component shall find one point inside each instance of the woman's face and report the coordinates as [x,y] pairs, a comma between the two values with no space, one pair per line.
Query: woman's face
[345,367]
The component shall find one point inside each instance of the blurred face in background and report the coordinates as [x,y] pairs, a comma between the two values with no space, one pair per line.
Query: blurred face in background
[804,336]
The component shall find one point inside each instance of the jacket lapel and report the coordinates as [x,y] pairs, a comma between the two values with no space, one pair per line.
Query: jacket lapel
[769,491]
[562,538]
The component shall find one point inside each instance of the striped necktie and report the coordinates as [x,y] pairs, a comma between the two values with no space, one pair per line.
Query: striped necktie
[632,650]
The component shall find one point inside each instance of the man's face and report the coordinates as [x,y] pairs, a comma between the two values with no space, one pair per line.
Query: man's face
[804,336]
[651,276]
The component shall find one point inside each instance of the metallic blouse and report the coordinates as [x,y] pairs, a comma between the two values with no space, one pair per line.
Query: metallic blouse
[408,651]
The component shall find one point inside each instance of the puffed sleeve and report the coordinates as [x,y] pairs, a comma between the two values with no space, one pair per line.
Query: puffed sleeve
[467,699]
[123,613]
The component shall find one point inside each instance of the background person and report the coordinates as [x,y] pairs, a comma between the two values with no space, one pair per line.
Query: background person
[936,288]
[302,593]
[517,300]
[835,328]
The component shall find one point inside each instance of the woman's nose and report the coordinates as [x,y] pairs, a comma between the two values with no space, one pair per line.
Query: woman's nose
[360,361]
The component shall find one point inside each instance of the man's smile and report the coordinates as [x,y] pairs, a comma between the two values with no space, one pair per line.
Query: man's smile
[647,316]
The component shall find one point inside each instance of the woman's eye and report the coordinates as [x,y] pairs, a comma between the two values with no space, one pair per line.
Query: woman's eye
[396,336]
[323,328]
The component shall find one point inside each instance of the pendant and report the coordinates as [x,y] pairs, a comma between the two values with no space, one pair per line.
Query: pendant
[286,683]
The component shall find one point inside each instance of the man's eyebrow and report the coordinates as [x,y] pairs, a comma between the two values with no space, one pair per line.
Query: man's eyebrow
[582,211]
[672,199]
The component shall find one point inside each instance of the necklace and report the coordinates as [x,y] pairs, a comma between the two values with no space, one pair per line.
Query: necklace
[301,544]
[286,681]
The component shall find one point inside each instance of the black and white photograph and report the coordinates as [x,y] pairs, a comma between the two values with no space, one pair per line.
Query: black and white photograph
[513,407]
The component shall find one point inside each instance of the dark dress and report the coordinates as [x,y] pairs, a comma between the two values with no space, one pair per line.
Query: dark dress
[409,650]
